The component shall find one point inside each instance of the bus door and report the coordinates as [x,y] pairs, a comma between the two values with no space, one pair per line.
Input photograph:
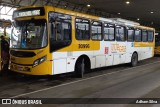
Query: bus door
[109,40]
[60,37]
[100,57]
[120,45]
[147,38]
[108,52]
[98,51]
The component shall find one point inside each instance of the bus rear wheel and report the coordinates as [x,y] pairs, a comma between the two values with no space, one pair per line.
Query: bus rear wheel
[134,60]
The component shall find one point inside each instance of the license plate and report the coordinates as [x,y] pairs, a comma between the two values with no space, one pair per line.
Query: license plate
[20,68]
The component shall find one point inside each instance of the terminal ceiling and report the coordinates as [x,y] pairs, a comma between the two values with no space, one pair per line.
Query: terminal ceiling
[137,9]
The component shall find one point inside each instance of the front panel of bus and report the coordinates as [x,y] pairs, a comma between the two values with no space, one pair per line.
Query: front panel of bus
[29,42]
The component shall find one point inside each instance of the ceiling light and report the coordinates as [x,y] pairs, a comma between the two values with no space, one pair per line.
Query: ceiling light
[138,19]
[151,12]
[88,5]
[127,2]
[118,13]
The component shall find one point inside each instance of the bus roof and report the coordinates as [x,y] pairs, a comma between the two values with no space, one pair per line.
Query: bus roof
[83,15]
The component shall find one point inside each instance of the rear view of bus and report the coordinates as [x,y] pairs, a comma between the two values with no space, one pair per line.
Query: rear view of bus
[29,42]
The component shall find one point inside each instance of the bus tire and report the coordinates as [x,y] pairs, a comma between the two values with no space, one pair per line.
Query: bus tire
[134,60]
[80,68]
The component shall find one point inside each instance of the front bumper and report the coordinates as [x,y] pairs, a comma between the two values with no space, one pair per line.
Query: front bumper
[41,69]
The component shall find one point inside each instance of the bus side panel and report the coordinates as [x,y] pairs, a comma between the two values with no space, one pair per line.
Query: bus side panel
[99,55]
[59,62]
[64,62]
[129,51]
[144,49]
[107,49]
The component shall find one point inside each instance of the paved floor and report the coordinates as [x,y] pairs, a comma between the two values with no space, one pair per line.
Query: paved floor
[120,81]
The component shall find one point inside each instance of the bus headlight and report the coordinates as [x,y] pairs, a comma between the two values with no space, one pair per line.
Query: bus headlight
[39,61]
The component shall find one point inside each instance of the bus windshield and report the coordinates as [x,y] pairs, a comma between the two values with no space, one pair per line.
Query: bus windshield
[29,34]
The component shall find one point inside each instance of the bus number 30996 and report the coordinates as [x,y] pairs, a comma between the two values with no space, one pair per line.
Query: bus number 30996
[83,46]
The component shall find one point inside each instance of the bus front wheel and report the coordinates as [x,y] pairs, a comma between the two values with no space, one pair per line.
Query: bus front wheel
[80,68]
[134,59]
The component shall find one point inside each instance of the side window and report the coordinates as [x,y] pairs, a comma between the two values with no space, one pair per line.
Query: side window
[60,30]
[144,36]
[138,36]
[63,31]
[109,32]
[96,29]
[120,35]
[60,27]
[82,29]
[130,34]
[150,36]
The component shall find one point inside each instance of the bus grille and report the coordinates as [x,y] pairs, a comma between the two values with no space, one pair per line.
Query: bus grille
[22,53]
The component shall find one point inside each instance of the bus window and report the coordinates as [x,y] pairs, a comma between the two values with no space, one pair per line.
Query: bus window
[138,36]
[82,29]
[130,34]
[60,27]
[109,32]
[96,31]
[60,33]
[144,36]
[150,36]
[29,34]
[120,36]
[63,31]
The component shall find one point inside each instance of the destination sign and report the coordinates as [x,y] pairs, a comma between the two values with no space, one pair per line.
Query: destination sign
[28,12]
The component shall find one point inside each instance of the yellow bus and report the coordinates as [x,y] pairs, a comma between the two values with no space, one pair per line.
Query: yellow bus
[49,41]
[157,44]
